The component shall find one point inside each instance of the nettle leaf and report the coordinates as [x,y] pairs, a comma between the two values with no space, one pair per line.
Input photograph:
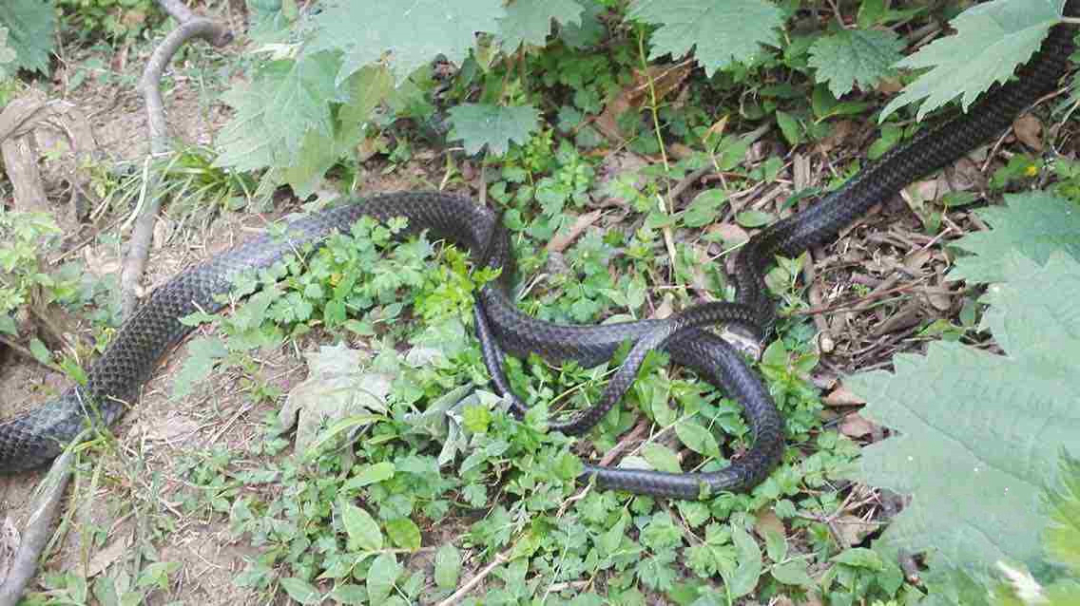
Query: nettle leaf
[723,31]
[1035,224]
[477,125]
[991,40]
[852,56]
[413,33]
[447,566]
[7,55]
[529,21]
[979,433]
[1062,537]
[30,25]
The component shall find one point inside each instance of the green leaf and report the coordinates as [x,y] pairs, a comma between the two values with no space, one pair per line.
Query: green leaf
[381,577]
[753,218]
[792,573]
[362,529]
[477,125]
[661,457]
[852,56]
[991,40]
[31,25]
[978,434]
[789,127]
[447,566]
[1062,536]
[1035,224]
[404,533]
[529,21]
[746,575]
[413,33]
[300,590]
[371,474]
[697,438]
[723,31]
[703,210]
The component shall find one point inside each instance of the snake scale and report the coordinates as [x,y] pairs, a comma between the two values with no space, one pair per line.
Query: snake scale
[114,380]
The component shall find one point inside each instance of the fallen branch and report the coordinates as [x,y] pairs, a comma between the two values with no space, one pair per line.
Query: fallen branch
[38,528]
[191,26]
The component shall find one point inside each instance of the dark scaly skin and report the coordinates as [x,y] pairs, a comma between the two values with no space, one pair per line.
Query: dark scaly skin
[34,438]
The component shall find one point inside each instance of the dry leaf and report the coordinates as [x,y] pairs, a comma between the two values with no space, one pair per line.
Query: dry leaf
[767,520]
[856,426]
[562,240]
[104,558]
[853,529]
[665,78]
[842,397]
[1029,130]
[730,233]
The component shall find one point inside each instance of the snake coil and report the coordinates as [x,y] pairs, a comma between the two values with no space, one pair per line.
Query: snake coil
[114,380]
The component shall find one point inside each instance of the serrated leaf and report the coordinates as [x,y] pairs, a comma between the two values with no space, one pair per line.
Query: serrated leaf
[447,566]
[979,433]
[381,577]
[722,32]
[413,33]
[31,25]
[404,533]
[852,56]
[203,354]
[1035,224]
[529,21]
[362,529]
[300,590]
[1062,536]
[477,125]
[991,40]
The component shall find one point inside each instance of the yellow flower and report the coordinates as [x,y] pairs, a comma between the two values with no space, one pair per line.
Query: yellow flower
[1031,170]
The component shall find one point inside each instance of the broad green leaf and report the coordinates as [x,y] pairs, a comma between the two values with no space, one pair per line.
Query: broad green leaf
[978,434]
[371,474]
[704,208]
[792,573]
[31,25]
[723,31]
[529,21]
[447,566]
[746,575]
[300,590]
[851,56]
[404,533]
[991,40]
[477,125]
[349,594]
[661,458]
[413,33]
[1035,224]
[697,438]
[362,529]
[1062,536]
[381,577]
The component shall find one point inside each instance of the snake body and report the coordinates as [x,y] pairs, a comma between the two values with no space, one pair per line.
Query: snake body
[113,381]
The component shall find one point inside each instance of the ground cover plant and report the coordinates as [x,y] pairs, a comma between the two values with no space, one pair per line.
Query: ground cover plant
[332,437]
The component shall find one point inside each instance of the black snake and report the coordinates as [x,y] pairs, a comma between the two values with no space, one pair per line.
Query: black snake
[114,380]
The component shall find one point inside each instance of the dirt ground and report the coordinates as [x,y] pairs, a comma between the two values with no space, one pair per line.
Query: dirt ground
[885,251]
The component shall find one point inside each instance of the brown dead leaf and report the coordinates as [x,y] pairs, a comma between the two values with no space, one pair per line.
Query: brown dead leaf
[665,309]
[664,79]
[562,240]
[101,261]
[841,133]
[1028,129]
[111,553]
[730,233]
[855,425]
[842,397]
[889,86]
[767,520]
[853,529]
[918,259]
